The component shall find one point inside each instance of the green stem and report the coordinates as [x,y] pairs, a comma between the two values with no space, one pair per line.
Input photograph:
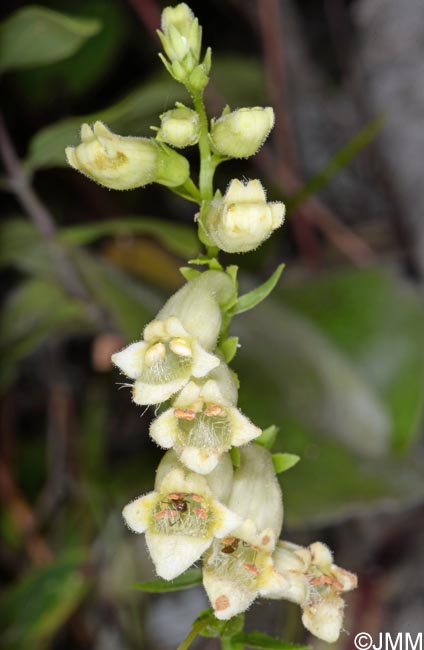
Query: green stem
[195,631]
[207,160]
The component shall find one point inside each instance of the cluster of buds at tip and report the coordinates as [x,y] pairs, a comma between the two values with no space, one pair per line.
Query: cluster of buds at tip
[242,219]
[181,38]
[179,127]
[124,163]
[241,133]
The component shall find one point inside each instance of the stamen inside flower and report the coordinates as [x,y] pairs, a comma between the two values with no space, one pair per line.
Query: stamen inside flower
[208,428]
[235,559]
[162,364]
[178,512]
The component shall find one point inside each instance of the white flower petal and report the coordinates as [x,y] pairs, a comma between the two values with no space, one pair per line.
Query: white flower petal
[226,520]
[145,394]
[201,460]
[138,513]
[242,429]
[324,619]
[130,359]
[164,429]
[212,394]
[203,362]
[177,480]
[173,554]
[226,597]
[189,394]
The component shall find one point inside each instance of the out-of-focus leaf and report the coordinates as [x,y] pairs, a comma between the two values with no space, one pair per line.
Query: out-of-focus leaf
[283,462]
[96,58]
[340,160]
[177,237]
[254,297]
[217,628]
[377,321]
[267,437]
[35,608]
[35,36]
[33,311]
[250,86]
[329,357]
[22,246]
[188,579]
[132,115]
[130,304]
[264,642]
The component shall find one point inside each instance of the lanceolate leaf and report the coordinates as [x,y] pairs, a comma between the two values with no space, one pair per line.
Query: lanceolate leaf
[178,238]
[190,578]
[283,462]
[254,297]
[34,36]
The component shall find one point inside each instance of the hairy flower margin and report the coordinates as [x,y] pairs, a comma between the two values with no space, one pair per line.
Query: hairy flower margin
[208,504]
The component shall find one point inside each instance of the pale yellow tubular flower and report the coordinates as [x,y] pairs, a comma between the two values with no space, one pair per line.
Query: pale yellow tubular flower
[203,422]
[242,219]
[177,345]
[179,127]
[315,583]
[239,568]
[124,163]
[180,520]
[241,133]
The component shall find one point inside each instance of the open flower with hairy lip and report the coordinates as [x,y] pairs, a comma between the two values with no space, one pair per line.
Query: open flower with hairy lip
[124,163]
[177,345]
[164,361]
[242,219]
[315,583]
[203,422]
[239,568]
[180,520]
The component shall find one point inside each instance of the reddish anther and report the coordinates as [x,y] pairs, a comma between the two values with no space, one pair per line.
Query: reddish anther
[200,512]
[184,414]
[213,410]
[251,567]
[196,497]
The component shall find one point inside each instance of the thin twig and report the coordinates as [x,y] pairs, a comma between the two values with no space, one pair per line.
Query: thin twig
[20,185]
[149,13]
[285,169]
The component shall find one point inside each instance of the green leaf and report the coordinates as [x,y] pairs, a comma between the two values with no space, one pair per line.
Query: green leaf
[34,312]
[342,371]
[130,304]
[204,260]
[267,437]
[35,608]
[35,36]
[229,348]
[22,246]
[190,578]
[235,456]
[283,462]
[340,160]
[176,237]
[188,273]
[132,115]
[232,272]
[254,297]
[265,642]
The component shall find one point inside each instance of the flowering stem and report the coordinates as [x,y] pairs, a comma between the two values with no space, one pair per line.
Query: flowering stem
[207,161]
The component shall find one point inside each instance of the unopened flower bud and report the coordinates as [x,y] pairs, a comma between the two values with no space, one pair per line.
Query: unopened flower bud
[241,133]
[242,219]
[179,127]
[181,33]
[123,163]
